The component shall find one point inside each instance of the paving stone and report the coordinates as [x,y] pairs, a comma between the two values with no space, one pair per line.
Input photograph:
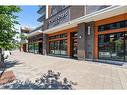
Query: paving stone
[123,78]
[88,75]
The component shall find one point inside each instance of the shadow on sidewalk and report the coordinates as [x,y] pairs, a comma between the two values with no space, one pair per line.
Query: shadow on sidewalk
[9,64]
[50,80]
[7,76]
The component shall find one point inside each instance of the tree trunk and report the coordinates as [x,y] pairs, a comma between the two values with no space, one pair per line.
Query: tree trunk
[1,59]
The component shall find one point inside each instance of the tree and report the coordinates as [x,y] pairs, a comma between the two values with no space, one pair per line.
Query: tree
[22,36]
[8,20]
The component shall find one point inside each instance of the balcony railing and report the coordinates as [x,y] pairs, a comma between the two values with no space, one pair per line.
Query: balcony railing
[42,9]
[42,18]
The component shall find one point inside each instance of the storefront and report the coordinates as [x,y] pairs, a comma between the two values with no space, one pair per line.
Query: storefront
[63,43]
[58,44]
[98,36]
[111,38]
[35,44]
[35,47]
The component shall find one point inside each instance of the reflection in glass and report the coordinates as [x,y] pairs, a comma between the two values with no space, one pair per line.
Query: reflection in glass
[111,46]
[58,47]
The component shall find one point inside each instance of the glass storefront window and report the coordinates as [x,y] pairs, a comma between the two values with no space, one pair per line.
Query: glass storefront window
[107,27]
[36,47]
[57,51]
[116,25]
[51,45]
[58,36]
[126,23]
[111,46]
[113,26]
[58,47]
[125,46]
[63,35]
[63,47]
[122,24]
[101,28]
[31,47]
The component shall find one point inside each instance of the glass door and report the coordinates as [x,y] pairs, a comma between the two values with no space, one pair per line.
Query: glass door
[125,46]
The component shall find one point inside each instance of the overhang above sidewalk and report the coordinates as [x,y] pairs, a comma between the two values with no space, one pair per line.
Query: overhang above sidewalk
[34,33]
[95,16]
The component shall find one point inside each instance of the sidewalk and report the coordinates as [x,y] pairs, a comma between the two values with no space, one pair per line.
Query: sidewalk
[88,75]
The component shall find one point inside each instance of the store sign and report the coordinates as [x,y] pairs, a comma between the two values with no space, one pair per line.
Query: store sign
[59,19]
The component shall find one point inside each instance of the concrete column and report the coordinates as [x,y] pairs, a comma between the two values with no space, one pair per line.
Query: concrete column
[81,41]
[45,44]
[89,40]
[86,41]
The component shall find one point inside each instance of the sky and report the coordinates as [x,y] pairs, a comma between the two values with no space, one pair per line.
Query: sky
[28,16]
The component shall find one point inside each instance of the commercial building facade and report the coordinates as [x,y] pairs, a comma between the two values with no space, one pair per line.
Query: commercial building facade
[35,38]
[111,36]
[86,32]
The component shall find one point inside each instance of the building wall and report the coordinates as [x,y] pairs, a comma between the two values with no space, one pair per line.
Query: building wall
[89,40]
[58,19]
[49,10]
[35,38]
[85,40]
[92,8]
[76,11]
[107,21]
[52,10]
[45,44]
[66,14]
[81,41]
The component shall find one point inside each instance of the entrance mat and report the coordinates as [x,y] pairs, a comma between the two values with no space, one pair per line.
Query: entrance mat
[7,77]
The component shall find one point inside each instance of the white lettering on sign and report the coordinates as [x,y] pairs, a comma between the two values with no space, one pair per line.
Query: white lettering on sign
[58,19]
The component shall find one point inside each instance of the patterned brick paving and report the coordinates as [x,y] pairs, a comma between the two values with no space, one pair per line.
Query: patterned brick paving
[88,75]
